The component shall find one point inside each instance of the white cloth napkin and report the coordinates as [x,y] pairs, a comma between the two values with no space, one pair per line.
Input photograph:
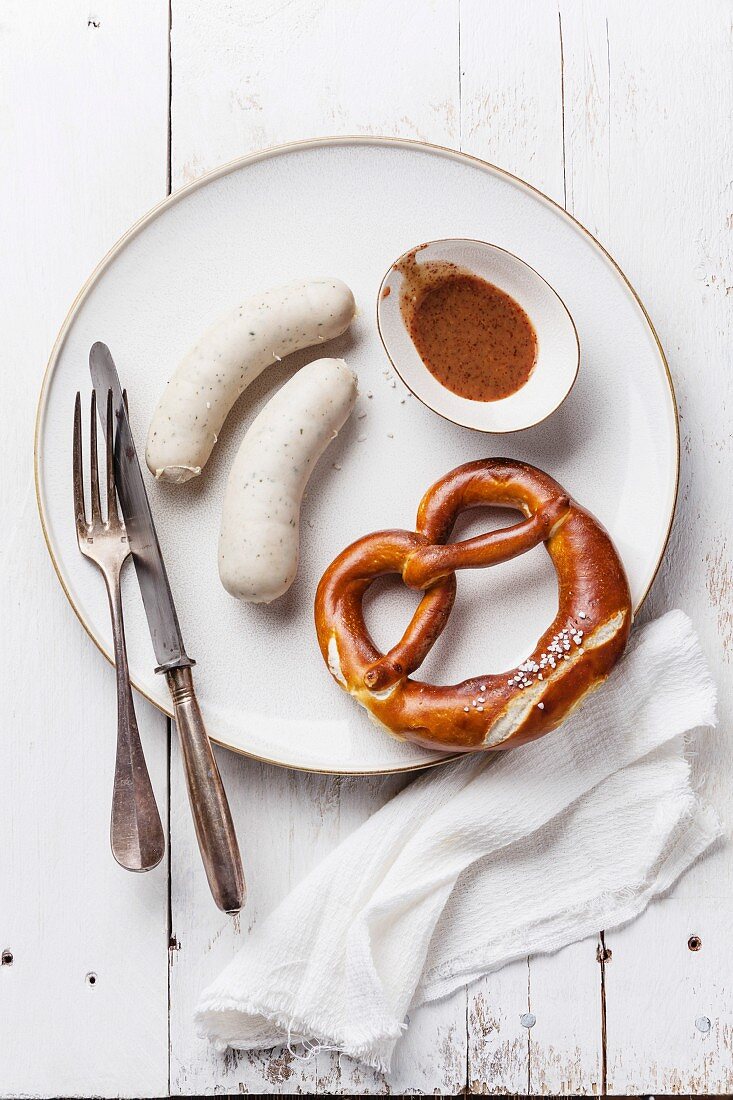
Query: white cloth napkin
[481,862]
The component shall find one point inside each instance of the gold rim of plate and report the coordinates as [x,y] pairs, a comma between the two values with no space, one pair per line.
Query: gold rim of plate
[233,166]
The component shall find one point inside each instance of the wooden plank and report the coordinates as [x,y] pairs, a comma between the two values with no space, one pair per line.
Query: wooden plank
[528,1036]
[565,1042]
[498,1036]
[84,1001]
[245,77]
[669,1014]
[511,89]
[648,160]
[525,1034]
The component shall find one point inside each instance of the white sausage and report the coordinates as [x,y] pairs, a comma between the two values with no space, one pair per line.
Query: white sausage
[230,355]
[259,538]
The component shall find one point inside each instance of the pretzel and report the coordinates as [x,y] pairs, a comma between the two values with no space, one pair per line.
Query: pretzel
[494,711]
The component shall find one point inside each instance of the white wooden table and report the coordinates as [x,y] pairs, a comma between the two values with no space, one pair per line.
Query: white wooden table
[623,113]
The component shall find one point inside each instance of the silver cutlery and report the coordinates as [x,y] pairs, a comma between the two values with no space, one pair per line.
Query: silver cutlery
[210,809]
[136,833]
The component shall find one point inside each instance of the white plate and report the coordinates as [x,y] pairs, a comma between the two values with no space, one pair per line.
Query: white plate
[347,207]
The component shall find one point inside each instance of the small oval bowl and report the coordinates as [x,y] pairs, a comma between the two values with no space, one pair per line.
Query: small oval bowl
[558,347]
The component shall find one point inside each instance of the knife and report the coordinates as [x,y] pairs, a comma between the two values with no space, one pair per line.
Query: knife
[212,818]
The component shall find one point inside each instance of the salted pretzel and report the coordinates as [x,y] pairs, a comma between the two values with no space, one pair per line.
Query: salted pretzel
[576,653]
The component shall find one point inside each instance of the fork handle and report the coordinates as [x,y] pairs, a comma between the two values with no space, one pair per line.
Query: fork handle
[136,833]
[209,807]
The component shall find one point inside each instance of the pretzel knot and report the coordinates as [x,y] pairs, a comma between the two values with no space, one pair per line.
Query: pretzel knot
[574,655]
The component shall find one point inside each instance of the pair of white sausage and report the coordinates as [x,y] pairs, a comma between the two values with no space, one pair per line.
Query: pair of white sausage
[259,539]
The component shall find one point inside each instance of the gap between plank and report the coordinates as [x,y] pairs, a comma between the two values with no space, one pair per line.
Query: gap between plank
[171,935]
[169,723]
[562,111]
[460,83]
[603,956]
[169,149]
[467,1085]
[529,1030]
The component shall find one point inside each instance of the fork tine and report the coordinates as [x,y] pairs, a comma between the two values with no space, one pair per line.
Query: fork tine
[79,511]
[112,515]
[93,463]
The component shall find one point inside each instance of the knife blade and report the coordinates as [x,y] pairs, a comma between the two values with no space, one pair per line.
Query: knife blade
[155,588]
[209,807]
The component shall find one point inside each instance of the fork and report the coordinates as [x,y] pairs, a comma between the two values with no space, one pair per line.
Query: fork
[136,833]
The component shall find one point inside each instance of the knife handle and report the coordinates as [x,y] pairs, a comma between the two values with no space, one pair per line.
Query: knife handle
[209,806]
